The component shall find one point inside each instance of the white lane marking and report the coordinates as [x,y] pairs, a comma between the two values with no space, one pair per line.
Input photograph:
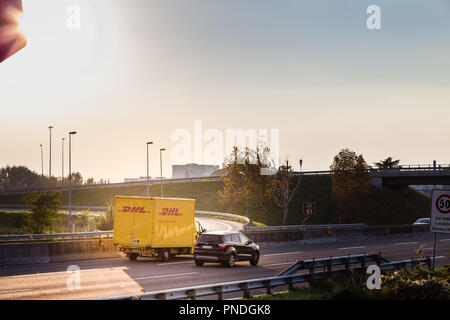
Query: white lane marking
[277,264]
[444,240]
[440,257]
[61,272]
[55,264]
[13,291]
[350,248]
[165,264]
[279,254]
[404,243]
[166,276]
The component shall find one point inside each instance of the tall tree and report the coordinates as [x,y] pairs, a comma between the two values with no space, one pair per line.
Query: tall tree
[234,191]
[244,183]
[77,179]
[286,188]
[20,178]
[262,185]
[388,163]
[350,181]
[44,209]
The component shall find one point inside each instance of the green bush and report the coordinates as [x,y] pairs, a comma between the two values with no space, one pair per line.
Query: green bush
[420,284]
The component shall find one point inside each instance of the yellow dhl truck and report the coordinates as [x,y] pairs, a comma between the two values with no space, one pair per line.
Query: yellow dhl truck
[155,227]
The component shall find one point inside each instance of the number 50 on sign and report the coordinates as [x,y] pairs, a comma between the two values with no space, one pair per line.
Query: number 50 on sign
[440,211]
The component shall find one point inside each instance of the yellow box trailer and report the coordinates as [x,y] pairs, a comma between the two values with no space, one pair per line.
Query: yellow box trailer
[162,227]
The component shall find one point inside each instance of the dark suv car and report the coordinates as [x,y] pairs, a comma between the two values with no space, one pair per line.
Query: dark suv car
[225,247]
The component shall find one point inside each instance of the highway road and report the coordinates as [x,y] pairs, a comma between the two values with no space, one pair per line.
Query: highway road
[119,276]
[211,224]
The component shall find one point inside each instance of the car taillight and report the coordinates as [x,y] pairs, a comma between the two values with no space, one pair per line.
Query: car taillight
[222,245]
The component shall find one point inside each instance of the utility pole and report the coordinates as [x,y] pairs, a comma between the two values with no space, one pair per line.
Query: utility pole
[50,155]
[42,163]
[62,164]
[148,179]
[160,160]
[70,178]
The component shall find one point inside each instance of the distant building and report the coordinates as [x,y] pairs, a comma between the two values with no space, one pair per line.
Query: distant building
[192,170]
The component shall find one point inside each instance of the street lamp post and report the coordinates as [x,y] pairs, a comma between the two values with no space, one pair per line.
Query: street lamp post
[42,162]
[160,161]
[148,180]
[70,177]
[62,164]
[50,154]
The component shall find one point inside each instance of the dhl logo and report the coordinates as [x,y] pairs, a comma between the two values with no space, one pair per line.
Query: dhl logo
[170,212]
[134,209]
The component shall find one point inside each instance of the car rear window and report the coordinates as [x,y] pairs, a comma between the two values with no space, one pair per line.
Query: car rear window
[210,238]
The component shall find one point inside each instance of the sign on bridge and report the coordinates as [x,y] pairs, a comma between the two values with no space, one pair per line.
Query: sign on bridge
[309,208]
[440,211]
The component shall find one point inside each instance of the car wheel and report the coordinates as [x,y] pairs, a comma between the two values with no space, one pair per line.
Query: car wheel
[164,255]
[132,256]
[230,262]
[255,259]
[199,262]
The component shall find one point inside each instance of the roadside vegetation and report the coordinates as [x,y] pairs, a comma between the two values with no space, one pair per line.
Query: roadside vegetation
[420,284]
[381,207]
[345,196]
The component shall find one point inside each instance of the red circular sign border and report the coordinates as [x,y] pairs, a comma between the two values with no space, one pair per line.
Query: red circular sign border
[437,203]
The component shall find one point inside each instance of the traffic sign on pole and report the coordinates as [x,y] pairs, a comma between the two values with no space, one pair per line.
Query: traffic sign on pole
[440,211]
[309,208]
[440,215]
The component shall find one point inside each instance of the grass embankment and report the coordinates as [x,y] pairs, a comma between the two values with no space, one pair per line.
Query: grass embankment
[420,284]
[388,206]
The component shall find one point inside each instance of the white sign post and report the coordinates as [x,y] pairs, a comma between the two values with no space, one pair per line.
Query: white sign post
[440,215]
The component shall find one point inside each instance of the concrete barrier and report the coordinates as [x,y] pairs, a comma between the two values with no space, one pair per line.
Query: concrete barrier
[59,251]
[335,233]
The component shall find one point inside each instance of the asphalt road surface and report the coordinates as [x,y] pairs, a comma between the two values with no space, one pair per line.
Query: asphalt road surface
[119,276]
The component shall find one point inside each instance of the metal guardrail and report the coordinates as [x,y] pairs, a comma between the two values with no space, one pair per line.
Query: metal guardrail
[332,261]
[24,206]
[307,227]
[55,236]
[413,169]
[269,283]
[107,233]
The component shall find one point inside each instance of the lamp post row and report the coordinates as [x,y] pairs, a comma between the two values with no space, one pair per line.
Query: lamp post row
[70,168]
[62,167]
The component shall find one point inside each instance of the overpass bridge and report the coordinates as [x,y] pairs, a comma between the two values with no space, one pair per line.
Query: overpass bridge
[432,174]
[429,174]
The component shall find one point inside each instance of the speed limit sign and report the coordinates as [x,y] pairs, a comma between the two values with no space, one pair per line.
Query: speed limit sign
[440,211]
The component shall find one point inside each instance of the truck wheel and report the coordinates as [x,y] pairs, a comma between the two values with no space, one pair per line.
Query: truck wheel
[132,256]
[255,259]
[230,262]
[199,262]
[164,255]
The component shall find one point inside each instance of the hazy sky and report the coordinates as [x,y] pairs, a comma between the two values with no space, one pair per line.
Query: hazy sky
[138,70]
